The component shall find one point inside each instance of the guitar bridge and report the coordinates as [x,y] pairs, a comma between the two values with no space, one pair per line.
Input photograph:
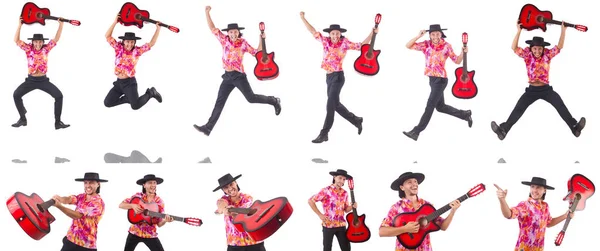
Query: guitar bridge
[366,65]
[266,69]
[357,234]
[127,14]
[528,16]
[464,89]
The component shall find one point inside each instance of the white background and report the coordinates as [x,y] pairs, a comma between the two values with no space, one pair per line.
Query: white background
[186,69]
[188,192]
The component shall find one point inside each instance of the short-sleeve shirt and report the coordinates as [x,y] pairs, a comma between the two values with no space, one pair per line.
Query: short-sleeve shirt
[37,60]
[534,217]
[435,56]
[84,231]
[125,61]
[233,52]
[235,237]
[334,53]
[335,202]
[538,69]
[143,229]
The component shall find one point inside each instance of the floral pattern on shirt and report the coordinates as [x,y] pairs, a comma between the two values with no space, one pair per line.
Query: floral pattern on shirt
[84,231]
[37,60]
[436,56]
[334,54]
[534,217]
[235,237]
[538,69]
[233,52]
[335,202]
[145,230]
[125,61]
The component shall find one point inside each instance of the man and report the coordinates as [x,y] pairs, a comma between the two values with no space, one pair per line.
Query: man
[437,50]
[334,50]
[335,204]
[144,232]
[236,240]
[407,186]
[234,47]
[89,208]
[533,215]
[127,54]
[37,67]
[537,61]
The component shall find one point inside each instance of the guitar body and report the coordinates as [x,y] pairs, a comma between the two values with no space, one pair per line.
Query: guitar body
[135,218]
[268,218]
[464,88]
[413,241]
[266,70]
[531,18]
[25,210]
[130,15]
[367,65]
[32,14]
[359,232]
[579,184]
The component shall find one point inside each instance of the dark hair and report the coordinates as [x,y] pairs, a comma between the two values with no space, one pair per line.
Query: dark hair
[98,189]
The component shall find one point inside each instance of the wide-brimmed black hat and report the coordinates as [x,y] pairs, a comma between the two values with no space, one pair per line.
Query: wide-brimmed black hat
[334,27]
[405,176]
[226,180]
[91,177]
[437,27]
[537,181]
[37,37]
[341,172]
[537,41]
[233,26]
[149,177]
[129,36]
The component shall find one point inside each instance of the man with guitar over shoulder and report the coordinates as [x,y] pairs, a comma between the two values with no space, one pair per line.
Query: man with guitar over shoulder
[335,204]
[335,47]
[89,209]
[533,215]
[234,47]
[144,232]
[437,50]
[127,54]
[233,198]
[537,60]
[407,186]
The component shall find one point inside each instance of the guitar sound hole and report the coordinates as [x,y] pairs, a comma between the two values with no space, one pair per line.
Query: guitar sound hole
[366,65]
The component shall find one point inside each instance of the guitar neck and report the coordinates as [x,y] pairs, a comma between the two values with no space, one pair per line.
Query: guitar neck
[153,21]
[44,206]
[373,41]
[264,46]
[162,216]
[242,210]
[354,212]
[444,209]
[464,60]
[571,209]
[551,21]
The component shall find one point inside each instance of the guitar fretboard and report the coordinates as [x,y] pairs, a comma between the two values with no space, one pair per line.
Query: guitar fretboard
[162,216]
[444,209]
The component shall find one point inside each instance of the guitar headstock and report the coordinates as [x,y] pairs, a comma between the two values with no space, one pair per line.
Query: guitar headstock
[75,22]
[465,38]
[351,184]
[261,26]
[581,28]
[193,221]
[559,238]
[476,190]
[377,18]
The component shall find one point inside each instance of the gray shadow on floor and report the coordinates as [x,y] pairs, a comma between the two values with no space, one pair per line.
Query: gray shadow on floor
[18,161]
[320,161]
[501,161]
[205,161]
[135,157]
[60,160]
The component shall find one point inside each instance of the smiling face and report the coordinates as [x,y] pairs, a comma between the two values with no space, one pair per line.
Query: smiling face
[129,44]
[339,181]
[233,34]
[37,44]
[90,187]
[335,36]
[435,36]
[537,192]
[537,51]
[410,187]
[150,186]
[231,189]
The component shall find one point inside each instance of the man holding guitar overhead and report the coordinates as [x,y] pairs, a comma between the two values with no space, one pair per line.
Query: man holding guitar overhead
[537,60]
[233,198]
[407,186]
[144,232]
[335,205]
[437,50]
[334,50]
[533,215]
[234,47]
[89,209]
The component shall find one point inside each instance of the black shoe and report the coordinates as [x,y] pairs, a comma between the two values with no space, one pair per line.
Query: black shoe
[203,129]
[358,125]
[412,134]
[321,138]
[21,122]
[578,127]
[60,125]
[469,119]
[498,130]
[277,106]
[152,91]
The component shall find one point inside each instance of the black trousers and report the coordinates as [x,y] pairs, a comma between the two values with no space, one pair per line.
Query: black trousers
[436,101]
[152,243]
[231,80]
[70,246]
[125,91]
[256,247]
[532,94]
[335,81]
[38,83]
[340,234]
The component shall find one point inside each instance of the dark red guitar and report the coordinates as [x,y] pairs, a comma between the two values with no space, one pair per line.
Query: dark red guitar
[426,216]
[151,215]
[31,213]
[357,231]
[262,219]
[266,68]
[464,86]
[131,15]
[32,14]
[580,189]
[532,18]
[367,63]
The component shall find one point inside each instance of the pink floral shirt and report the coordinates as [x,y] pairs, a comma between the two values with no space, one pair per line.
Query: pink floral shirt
[533,218]
[145,230]
[335,202]
[436,56]
[235,237]
[538,68]
[405,206]
[125,61]
[37,60]
[84,231]
[333,54]
[233,52]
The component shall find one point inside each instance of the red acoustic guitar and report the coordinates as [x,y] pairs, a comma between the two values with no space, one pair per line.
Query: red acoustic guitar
[266,68]
[151,215]
[31,213]
[580,189]
[262,219]
[426,216]
[32,14]
[464,86]
[357,231]
[131,15]
[367,63]
[532,18]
